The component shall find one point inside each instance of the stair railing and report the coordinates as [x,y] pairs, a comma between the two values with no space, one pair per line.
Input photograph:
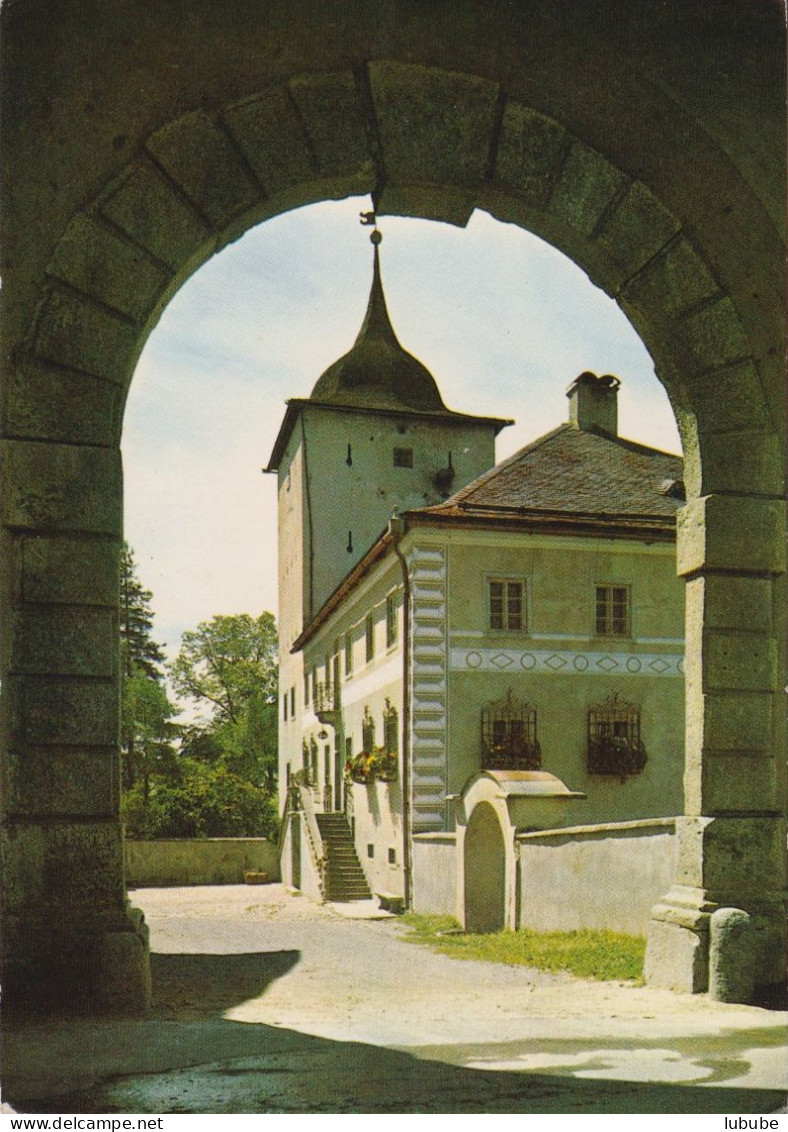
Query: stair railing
[317,849]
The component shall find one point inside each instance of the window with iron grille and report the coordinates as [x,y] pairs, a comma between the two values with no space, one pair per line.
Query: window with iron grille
[613,611]
[369,636]
[509,740]
[615,744]
[390,728]
[392,626]
[506,604]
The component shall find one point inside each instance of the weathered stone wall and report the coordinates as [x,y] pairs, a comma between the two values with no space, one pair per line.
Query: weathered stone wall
[213,860]
[645,140]
[435,874]
[598,876]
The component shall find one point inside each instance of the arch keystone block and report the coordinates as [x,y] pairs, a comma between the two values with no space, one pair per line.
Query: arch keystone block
[200,157]
[334,118]
[434,126]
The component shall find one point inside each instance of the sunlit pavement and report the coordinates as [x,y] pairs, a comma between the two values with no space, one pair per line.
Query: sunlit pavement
[267,1003]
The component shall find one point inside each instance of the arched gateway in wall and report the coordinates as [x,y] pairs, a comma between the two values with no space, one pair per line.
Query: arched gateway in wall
[644,141]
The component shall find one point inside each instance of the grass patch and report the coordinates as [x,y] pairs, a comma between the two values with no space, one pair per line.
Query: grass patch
[587,953]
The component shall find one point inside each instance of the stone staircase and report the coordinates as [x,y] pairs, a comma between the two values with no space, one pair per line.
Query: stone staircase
[344,878]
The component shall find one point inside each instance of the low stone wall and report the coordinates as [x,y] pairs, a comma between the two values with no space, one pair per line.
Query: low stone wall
[186,861]
[435,874]
[600,876]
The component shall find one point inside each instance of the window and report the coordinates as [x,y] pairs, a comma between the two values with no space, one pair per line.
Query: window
[284,707]
[306,687]
[403,457]
[369,636]
[613,611]
[392,856]
[292,703]
[390,728]
[392,625]
[507,604]
[348,653]
[509,739]
[615,745]
[367,731]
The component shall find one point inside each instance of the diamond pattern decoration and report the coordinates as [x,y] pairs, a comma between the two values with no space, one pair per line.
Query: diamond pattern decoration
[555,662]
[501,660]
[607,664]
[659,665]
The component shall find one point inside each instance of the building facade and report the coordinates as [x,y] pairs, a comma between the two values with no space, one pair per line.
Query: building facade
[527,623]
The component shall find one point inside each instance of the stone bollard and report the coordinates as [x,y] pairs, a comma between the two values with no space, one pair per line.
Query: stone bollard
[732,956]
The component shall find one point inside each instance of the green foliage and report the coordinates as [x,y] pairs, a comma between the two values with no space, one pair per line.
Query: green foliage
[147,733]
[206,801]
[228,662]
[139,652]
[588,954]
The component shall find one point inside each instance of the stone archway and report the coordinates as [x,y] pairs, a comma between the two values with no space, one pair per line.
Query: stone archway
[484,868]
[644,215]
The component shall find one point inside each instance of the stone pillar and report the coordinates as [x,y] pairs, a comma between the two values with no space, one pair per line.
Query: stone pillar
[731,841]
[70,938]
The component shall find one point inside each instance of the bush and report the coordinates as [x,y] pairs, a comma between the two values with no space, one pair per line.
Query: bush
[207,801]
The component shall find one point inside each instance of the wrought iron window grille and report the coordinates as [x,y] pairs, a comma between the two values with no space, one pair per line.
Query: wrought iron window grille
[509,740]
[615,745]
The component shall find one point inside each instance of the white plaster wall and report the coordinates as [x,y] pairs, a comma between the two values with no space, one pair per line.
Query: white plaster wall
[215,860]
[435,874]
[605,876]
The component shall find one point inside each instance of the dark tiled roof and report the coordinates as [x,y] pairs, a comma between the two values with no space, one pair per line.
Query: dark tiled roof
[571,471]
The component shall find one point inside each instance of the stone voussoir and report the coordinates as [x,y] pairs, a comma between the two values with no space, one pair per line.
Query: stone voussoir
[144,205]
[200,157]
[74,332]
[101,264]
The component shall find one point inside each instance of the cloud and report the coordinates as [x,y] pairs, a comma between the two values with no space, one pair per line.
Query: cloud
[503,321]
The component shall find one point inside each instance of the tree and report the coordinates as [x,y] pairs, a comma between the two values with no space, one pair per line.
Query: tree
[228,663]
[139,652]
[147,733]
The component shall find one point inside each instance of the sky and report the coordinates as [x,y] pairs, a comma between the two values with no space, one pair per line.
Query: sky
[502,320]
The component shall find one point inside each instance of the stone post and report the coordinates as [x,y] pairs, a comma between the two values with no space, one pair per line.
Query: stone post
[731,841]
[70,938]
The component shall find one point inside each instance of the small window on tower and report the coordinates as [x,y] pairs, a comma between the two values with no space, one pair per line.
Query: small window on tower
[403,457]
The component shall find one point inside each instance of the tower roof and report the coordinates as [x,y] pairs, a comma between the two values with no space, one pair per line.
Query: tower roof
[378,372]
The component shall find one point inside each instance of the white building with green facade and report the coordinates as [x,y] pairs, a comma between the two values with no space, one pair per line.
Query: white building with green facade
[470,652]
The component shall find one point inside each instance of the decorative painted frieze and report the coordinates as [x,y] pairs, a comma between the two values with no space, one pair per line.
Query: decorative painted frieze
[566,661]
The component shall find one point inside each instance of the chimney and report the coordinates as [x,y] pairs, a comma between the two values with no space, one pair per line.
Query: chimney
[593,403]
